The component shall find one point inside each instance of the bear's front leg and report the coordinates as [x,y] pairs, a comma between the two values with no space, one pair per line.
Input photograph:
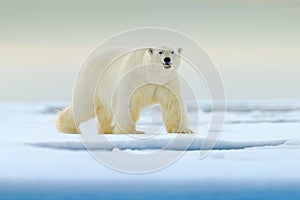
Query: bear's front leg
[175,118]
[174,111]
[125,118]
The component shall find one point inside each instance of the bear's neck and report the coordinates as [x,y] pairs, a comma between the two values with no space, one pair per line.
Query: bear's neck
[146,58]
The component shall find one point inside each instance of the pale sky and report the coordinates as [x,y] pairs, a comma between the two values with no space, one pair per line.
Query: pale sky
[254,43]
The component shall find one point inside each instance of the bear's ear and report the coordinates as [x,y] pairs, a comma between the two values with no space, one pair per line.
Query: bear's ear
[179,50]
[150,50]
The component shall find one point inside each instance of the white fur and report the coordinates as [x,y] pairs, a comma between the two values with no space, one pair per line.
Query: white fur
[119,91]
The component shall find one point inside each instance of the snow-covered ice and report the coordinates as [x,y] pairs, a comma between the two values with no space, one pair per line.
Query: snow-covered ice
[259,148]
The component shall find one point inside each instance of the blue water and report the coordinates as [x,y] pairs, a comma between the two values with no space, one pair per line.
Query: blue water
[133,190]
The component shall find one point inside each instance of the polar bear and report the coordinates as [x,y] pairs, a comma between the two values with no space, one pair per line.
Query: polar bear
[117,84]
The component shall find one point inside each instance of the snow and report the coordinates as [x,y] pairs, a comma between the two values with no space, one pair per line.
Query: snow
[159,142]
[259,148]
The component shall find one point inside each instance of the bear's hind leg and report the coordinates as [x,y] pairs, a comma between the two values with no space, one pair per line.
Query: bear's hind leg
[65,122]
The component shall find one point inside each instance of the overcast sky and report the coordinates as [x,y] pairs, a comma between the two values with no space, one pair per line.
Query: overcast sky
[254,43]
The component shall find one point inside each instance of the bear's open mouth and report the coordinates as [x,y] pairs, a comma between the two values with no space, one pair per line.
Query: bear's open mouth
[167,66]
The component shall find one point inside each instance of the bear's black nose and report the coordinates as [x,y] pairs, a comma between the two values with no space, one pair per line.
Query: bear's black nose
[167,60]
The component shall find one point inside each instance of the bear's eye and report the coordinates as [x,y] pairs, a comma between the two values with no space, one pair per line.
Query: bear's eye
[160,52]
[172,52]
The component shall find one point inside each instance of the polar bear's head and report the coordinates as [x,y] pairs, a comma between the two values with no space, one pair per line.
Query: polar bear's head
[169,58]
